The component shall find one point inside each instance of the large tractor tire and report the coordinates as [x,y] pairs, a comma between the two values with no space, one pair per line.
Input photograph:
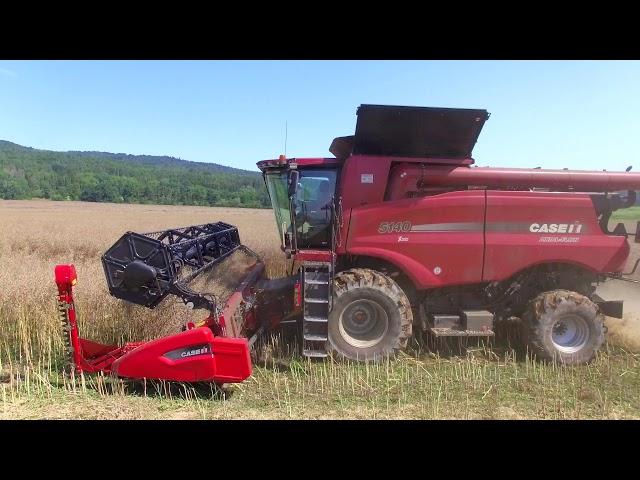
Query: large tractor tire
[371,317]
[564,326]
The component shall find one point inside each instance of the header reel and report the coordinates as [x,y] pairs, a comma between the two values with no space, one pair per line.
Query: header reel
[145,268]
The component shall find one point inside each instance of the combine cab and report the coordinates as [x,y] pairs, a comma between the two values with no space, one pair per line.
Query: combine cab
[397,233]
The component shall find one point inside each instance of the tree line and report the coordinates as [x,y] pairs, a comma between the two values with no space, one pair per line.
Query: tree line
[27,173]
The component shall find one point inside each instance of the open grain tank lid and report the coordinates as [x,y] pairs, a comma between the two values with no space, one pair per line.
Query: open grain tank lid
[413,132]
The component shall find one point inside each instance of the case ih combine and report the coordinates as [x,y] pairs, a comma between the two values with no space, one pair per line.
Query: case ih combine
[398,232]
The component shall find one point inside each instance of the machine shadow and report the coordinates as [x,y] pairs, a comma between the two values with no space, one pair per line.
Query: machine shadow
[508,344]
[178,390]
[279,352]
[111,385]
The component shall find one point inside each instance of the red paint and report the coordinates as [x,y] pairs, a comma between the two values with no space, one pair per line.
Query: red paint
[509,252]
[457,254]
[297,294]
[250,321]
[222,325]
[303,162]
[354,192]
[427,191]
[508,246]
[405,178]
[226,361]
[66,277]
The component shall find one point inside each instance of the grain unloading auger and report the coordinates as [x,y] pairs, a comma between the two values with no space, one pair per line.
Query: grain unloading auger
[144,269]
[397,233]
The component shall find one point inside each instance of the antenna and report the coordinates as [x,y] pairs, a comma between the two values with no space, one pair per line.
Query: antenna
[285,138]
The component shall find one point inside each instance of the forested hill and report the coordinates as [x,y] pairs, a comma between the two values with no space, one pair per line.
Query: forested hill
[117,177]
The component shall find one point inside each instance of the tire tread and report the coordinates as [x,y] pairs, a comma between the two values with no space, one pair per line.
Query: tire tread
[356,278]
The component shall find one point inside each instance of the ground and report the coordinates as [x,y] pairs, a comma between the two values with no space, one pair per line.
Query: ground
[481,383]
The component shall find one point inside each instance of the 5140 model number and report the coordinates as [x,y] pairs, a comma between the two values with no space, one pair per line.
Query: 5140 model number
[394,227]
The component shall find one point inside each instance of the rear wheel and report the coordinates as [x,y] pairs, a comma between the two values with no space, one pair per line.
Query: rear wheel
[371,316]
[564,326]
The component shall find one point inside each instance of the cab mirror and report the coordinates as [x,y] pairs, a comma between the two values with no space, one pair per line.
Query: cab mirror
[294,176]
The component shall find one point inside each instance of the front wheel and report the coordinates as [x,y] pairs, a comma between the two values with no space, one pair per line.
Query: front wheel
[564,326]
[371,316]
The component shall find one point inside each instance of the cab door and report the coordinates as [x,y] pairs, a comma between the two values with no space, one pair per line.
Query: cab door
[313,205]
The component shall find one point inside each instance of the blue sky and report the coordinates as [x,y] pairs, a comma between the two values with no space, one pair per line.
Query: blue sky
[553,114]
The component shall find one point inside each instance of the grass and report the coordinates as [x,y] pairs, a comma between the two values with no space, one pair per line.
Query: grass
[483,383]
[480,385]
[630,214]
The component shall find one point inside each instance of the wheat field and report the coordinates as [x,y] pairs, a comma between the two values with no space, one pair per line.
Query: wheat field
[481,383]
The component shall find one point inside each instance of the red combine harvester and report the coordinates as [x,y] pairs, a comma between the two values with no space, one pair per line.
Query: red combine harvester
[397,232]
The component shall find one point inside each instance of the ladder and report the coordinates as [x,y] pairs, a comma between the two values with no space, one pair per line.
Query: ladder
[316,304]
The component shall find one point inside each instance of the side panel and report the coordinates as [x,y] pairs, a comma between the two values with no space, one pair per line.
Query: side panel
[528,228]
[435,240]
[192,356]
[363,180]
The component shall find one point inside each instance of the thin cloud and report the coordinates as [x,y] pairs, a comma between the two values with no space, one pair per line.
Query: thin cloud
[8,73]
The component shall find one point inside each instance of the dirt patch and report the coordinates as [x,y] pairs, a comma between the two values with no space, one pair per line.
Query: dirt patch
[624,332]
[183,414]
[507,413]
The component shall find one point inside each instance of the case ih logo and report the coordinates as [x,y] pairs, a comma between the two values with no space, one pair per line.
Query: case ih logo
[197,351]
[574,228]
[188,352]
[555,228]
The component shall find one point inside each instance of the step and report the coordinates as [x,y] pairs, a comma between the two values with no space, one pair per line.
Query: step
[315,300]
[316,319]
[315,338]
[445,321]
[312,264]
[316,273]
[316,282]
[314,353]
[451,332]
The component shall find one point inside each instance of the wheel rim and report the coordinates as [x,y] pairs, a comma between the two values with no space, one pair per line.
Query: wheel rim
[570,334]
[363,323]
